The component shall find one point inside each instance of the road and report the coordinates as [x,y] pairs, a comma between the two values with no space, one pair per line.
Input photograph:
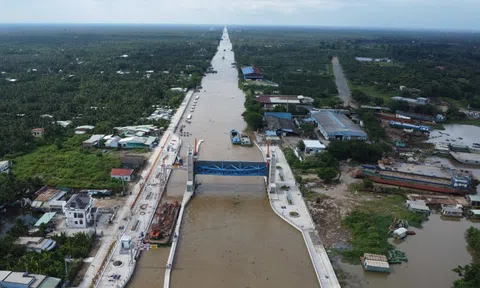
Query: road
[341,82]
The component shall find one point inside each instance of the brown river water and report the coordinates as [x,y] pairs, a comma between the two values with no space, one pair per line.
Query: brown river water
[230,236]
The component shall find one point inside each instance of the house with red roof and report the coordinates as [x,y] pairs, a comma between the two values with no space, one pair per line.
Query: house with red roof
[122,174]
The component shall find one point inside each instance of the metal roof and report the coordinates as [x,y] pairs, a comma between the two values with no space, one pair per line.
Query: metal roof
[335,123]
[475,198]
[94,138]
[50,282]
[375,257]
[475,211]
[47,217]
[247,70]
[381,264]
[121,172]
[313,144]
[4,274]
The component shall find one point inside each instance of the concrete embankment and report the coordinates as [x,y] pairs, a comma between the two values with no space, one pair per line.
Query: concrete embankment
[140,218]
[298,216]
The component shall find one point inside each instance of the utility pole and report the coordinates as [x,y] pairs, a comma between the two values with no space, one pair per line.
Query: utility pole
[66,260]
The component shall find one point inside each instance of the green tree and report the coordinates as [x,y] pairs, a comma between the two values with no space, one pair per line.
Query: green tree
[301,145]
[327,174]
[254,120]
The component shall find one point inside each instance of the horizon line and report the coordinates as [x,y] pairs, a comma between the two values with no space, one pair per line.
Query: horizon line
[246,25]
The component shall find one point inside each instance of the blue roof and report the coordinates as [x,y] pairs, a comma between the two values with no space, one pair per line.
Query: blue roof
[247,70]
[270,133]
[47,217]
[280,115]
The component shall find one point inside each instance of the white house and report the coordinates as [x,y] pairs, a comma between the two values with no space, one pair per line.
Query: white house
[122,174]
[94,140]
[79,211]
[4,166]
[313,146]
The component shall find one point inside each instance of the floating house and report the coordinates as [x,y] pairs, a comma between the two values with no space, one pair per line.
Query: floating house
[452,211]
[400,233]
[375,263]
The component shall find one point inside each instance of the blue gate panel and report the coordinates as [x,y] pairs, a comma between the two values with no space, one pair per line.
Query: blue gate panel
[231,168]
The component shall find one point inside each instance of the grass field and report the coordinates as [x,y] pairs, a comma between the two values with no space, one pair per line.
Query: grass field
[372,91]
[69,165]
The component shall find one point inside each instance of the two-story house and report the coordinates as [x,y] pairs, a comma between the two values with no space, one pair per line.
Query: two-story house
[79,211]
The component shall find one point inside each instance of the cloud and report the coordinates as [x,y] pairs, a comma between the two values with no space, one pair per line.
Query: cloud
[371,13]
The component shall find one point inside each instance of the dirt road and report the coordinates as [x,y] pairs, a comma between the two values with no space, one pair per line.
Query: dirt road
[341,82]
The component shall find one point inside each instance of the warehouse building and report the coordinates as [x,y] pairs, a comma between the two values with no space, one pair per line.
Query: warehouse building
[337,126]
[252,73]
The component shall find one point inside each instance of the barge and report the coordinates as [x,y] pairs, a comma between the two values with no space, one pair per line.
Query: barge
[423,178]
[235,137]
[163,223]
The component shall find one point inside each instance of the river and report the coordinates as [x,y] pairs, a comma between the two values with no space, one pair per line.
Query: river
[432,253]
[440,245]
[230,236]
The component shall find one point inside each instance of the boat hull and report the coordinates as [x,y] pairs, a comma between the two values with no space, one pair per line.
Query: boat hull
[414,185]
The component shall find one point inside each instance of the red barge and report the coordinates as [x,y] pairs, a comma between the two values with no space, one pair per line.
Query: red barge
[163,223]
[423,178]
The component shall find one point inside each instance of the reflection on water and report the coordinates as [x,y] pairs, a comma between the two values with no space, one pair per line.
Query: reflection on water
[432,253]
[230,236]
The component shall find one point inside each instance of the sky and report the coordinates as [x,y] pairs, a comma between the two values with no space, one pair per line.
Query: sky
[411,14]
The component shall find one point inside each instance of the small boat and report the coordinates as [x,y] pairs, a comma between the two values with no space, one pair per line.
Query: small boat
[245,140]
[235,137]
[409,232]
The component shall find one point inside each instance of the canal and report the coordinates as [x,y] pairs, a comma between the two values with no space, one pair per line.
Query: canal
[432,253]
[230,236]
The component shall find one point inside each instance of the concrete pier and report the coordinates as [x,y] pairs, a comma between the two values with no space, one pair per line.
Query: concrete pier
[297,215]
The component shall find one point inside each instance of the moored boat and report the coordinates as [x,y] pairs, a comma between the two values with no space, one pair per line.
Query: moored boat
[235,137]
[423,178]
[245,140]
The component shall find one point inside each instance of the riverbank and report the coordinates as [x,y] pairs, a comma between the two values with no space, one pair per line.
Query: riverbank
[287,202]
[95,273]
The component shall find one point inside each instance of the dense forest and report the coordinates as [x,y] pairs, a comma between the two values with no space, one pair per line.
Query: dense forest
[440,67]
[94,76]
[296,61]
[104,76]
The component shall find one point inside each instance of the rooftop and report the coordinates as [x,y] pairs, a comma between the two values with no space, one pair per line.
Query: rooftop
[94,138]
[78,201]
[277,99]
[38,129]
[314,144]
[46,218]
[133,159]
[381,264]
[121,172]
[475,212]
[337,123]
[251,70]
[47,193]
[275,123]
[475,198]
[375,257]
[85,127]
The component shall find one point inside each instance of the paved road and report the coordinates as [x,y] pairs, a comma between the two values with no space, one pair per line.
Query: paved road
[341,82]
